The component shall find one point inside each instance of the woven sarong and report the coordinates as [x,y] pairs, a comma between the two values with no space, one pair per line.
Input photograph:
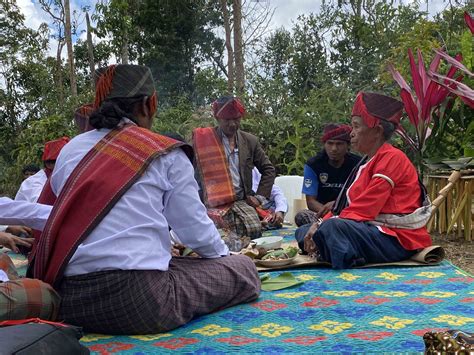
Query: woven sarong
[243,220]
[25,298]
[146,302]
[305,217]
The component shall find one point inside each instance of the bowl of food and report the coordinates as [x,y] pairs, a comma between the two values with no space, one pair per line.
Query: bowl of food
[268,243]
[279,257]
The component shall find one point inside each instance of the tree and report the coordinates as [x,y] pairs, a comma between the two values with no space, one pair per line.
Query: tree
[228,46]
[70,49]
[238,48]
[90,51]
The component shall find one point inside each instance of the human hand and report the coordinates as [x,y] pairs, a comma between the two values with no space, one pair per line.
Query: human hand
[19,231]
[252,201]
[325,209]
[309,244]
[277,218]
[10,241]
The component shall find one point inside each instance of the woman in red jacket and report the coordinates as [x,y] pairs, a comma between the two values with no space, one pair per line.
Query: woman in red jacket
[381,213]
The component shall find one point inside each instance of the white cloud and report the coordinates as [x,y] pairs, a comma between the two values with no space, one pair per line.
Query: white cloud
[286,12]
[34,15]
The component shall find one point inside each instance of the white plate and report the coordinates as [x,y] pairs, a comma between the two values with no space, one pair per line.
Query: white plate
[271,263]
[268,243]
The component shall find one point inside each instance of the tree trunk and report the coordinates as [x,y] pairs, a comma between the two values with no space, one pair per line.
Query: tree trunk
[124,52]
[59,73]
[70,50]
[90,51]
[238,49]
[228,45]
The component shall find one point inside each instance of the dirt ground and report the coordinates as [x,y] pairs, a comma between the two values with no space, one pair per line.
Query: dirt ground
[458,251]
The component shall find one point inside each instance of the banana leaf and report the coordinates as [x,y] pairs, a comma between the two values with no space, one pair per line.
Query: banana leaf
[282,281]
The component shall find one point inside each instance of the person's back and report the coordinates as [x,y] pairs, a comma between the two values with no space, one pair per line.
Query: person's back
[106,245]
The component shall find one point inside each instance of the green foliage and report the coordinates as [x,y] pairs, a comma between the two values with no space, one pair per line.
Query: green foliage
[305,77]
[29,148]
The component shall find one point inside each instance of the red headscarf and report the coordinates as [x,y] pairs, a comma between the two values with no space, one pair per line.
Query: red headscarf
[227,108]
[337,132]
[52,148]
[373,107]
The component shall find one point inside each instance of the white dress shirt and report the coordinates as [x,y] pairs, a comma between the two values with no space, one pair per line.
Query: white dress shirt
[23,213]
[30,188]
[134,235]
[277,196]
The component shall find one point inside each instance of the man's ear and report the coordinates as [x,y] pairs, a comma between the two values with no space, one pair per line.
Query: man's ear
[379,130]
[145,109]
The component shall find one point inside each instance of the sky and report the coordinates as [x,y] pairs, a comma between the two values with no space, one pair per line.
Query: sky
[286,11]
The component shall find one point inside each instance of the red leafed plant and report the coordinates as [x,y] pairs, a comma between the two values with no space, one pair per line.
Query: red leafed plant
[426,100]
[469,21]
[465,93]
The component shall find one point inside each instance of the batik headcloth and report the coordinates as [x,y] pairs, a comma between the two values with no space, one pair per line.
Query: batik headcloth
[228,107]
[81,116]
[52,148]
[125,81]
[372,107]
[336,132]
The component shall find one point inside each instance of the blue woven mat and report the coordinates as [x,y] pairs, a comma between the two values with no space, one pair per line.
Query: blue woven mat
[365,310]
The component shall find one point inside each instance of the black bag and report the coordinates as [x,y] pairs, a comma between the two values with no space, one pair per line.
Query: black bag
[41,338]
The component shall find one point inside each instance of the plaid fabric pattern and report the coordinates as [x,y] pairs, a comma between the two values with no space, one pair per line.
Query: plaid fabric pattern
[243,220]
[305,217]
[25,298]
[213,168]
[152,301]
[6,264]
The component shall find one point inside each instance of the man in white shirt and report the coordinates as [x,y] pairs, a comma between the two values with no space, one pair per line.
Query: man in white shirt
[30,188]
[118,276]
[277,204]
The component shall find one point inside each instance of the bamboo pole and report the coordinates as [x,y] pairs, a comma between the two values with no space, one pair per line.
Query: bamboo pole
[452,179]
[467,210]
[446,188]
[459,193]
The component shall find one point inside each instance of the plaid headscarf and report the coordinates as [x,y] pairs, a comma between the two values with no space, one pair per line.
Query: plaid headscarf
[125,81]
[228,107]
[372,107]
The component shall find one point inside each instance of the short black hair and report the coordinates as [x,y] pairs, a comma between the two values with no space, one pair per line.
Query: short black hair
[30,167]
[388,129]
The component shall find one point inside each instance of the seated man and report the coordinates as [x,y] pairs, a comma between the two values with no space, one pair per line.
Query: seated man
[106,246]
[23,298]
[225,157]
[31,188]
[325,173]
[381,213]
[273,209]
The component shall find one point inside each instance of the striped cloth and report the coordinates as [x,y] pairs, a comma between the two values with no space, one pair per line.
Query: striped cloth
[152,301]
[22,298]
[213,167]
